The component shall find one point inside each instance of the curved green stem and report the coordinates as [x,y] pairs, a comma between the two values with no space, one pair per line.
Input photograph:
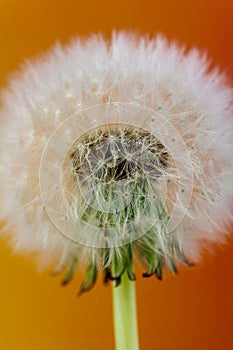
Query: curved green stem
[125,315]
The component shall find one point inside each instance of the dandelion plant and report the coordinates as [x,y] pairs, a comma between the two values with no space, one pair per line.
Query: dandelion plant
[116,151]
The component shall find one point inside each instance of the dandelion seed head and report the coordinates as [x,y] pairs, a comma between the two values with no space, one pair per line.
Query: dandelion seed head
[116,150]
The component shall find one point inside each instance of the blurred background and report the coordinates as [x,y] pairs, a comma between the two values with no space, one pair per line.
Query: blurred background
[189,311]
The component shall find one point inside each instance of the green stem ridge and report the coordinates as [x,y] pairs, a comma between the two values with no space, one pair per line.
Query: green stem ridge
[125,315]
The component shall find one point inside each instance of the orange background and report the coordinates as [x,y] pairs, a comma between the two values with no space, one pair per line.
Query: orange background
[193,310]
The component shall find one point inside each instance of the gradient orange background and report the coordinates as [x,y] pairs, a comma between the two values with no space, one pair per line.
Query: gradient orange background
[191,311]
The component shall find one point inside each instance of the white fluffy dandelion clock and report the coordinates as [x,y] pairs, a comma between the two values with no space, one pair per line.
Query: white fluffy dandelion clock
[113,151]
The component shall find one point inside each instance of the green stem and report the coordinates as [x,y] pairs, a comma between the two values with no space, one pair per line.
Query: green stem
[125,315]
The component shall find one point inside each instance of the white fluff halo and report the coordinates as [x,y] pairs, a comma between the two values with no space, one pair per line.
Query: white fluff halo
[88,78]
